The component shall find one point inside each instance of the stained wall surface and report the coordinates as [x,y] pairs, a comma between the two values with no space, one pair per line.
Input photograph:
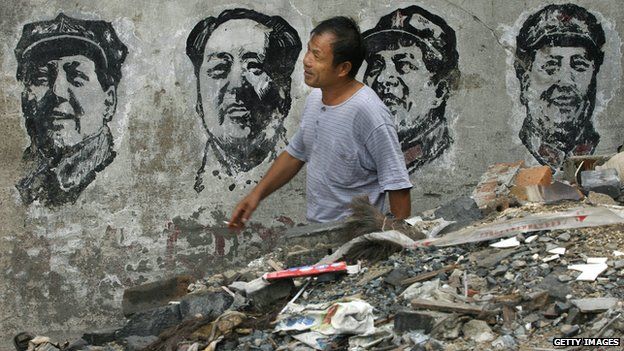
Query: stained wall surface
[132,128]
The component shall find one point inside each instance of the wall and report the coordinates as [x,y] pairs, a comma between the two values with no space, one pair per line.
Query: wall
[114,175]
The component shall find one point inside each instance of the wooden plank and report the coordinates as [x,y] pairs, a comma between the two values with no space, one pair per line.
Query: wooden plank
[427,276]
[444,306]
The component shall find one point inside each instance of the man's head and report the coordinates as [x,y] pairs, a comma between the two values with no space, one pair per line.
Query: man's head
[335,52]
[243,61]
[411,63]
[558,54]
[70,69]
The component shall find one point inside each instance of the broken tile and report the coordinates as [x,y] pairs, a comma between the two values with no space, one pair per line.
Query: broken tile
[558,251]
[594,305]
[506,243]
[589,271]
[569,330]
[596,260]
[550,258]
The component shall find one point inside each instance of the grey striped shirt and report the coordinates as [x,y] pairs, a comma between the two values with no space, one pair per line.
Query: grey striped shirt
[350,149]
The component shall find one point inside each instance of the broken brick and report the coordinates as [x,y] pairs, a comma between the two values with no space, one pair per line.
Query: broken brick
[541,175]
[493,185]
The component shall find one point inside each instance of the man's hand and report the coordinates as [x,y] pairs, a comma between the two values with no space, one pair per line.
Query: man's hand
[243,211]
[283,169]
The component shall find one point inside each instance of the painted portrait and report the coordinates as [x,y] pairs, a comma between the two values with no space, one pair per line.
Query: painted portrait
[412,64]
[70,69]
[559,52]
[243,61]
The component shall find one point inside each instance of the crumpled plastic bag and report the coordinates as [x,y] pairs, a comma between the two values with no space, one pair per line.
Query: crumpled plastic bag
[352,317]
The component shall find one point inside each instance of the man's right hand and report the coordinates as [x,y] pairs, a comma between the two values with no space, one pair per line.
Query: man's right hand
[242,211]
[283,169]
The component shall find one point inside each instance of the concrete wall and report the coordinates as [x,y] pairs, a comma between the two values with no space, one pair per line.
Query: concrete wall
[127,183]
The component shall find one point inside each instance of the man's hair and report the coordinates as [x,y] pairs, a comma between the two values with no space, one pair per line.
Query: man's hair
[348,45]
[415,26]
[559,25]
[283,42]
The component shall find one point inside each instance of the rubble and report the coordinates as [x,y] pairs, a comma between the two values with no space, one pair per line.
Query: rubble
[454,291]
[604,181]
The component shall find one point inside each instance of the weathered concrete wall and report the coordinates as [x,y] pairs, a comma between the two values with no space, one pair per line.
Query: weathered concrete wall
[113,174]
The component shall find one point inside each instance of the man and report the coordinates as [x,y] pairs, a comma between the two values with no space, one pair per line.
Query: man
[346,136]
[70,69]
[243,61]
[558,55]
[411,64]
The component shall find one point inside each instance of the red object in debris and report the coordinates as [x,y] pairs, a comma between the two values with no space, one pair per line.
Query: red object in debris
[307,271]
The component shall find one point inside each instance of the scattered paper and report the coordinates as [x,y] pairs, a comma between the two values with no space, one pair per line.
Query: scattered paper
[589,271]
[413,220]
[550,258]
[617,253]
[530,239]
[558,250]
[596,260]
[511,242]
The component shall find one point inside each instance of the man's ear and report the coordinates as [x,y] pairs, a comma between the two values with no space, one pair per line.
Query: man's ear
[110,103]
[344,68]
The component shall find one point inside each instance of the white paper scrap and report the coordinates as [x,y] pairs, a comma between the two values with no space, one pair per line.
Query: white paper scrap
[531,238]
[558,250]
[511,242]
[617,253]
[550,258]
[589,271]
[413,220]
[596,260]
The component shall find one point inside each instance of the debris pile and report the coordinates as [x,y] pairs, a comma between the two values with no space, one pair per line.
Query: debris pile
[530,259]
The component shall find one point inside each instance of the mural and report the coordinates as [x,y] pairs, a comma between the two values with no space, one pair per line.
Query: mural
[558,55]
[412,64]
[70,69]
[243,61]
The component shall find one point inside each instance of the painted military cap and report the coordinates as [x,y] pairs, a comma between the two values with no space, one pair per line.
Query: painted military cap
[418,25]
[562,25]
[64,36]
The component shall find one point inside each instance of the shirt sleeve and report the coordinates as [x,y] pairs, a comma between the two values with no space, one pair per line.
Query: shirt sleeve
[296,147]
[383,146]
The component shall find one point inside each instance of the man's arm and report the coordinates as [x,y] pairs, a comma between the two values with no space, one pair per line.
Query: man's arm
[400,203]
[283,169]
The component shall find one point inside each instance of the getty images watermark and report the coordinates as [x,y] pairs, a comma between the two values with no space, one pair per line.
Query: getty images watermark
[586,342]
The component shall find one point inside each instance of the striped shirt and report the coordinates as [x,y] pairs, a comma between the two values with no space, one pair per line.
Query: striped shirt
[351,149]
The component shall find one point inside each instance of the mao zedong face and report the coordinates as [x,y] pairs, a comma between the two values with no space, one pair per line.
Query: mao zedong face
[401,79]
[558,88]
[65,103]
[234,84]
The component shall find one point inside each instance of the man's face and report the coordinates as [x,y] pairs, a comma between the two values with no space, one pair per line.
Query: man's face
[401,80]
[235,88]
[64,102]
[318,67]
[558,88]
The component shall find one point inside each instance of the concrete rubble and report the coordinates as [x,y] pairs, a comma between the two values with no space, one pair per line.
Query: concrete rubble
[512,294]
